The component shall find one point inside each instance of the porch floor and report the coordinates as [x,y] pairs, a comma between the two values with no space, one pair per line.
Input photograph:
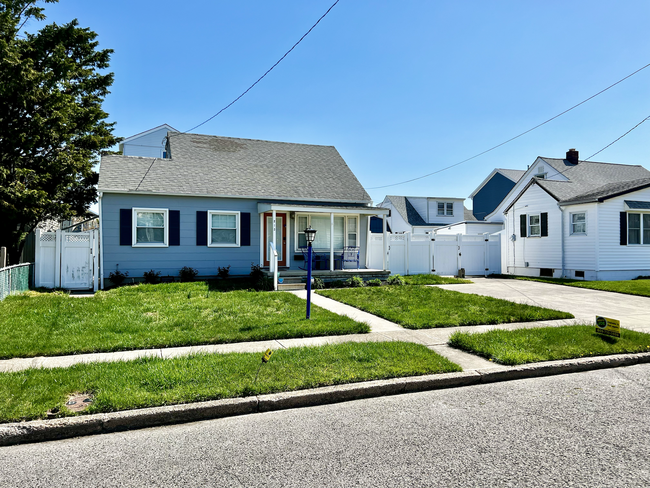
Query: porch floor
[327,275]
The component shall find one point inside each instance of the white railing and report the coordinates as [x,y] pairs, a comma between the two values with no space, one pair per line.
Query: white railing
[273,264]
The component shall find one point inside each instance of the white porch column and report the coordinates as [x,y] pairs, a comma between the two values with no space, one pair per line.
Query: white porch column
[262,239]
[486,237]
[385,240]
[331,242]
[368,235]
[272,237]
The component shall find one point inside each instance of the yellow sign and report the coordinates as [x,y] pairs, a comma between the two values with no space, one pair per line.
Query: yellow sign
[610,327]
[267,356]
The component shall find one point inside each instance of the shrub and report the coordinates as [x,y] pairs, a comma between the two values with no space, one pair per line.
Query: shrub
[187,273]
[151,277]
[355,282]
[263,284]
[256,273]
[223,272]
[395,280]
[117,277]
[318,284]
[375,282]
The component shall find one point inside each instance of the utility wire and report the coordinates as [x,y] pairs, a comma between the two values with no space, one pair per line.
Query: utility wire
[263,76]
[512,138]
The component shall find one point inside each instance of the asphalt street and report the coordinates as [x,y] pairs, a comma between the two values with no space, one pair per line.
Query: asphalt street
[584,429]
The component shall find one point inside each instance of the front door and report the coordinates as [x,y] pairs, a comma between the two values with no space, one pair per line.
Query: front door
[280,237]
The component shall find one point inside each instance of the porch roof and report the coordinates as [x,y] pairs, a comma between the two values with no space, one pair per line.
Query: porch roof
[284,207]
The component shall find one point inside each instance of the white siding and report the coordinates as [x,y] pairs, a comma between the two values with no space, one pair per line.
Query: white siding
[147,145]
[460,228]
[419,204]
[459,211]
[396,222]
[538,252]
[635,259]
[580,250]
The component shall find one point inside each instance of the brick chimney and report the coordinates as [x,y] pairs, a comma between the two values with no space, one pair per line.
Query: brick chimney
[572,156]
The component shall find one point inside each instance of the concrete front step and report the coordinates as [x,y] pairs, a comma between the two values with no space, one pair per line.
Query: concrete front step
[291,286]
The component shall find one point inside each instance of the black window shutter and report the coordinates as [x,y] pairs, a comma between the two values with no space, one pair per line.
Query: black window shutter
[623,228]
[544,219]
[523,225]
[245,229]
[201,228]
[174,227]
[126,226]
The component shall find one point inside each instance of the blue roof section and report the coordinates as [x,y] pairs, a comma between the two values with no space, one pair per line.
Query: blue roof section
[637,205]
[376,227]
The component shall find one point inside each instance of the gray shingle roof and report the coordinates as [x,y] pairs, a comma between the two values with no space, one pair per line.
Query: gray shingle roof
[468,215]
[406,210]
[590,180]
[226,166]
[513,174]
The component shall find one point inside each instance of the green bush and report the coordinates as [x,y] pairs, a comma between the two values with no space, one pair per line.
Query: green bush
[256,273]
[336,284]
[151,277]
[395,280]
[263,284]
[187,274]
[318,284]
[223,272]
[355,282]
[117,277]
[375,282]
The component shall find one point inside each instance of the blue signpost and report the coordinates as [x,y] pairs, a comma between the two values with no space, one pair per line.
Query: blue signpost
[310,234]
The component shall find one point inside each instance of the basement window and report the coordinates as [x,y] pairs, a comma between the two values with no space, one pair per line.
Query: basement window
[546,272]
[580,274]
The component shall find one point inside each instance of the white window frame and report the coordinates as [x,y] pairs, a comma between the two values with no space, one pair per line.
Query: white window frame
[345,228]
[572,223]
[237,228]
[641,229]
[134,227]
[530,226]
[448,209]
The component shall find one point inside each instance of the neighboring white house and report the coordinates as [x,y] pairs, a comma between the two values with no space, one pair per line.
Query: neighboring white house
[419,215]
[578,219]
[150,143]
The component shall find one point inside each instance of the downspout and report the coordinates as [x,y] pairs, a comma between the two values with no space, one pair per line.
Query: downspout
[562,238]
[101,243]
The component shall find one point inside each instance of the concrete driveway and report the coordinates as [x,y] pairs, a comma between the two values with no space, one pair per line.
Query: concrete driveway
[632,311]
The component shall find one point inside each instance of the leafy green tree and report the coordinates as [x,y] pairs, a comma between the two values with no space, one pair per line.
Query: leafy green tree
[52,126]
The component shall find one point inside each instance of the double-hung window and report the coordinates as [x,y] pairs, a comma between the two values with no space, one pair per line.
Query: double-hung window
[578,223]
[534,226]
[150,227]
[638,228]
[223,228]
[445,209]
[346,231]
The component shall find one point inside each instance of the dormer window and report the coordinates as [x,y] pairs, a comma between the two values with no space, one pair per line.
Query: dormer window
[540,173]
[445,209]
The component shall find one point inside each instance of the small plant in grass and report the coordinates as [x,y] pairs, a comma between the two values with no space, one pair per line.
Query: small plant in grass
[355,282]
[223,272]
[117,277]
[151,277]
[395,280]
[318,284]
[375,282]
[187,274]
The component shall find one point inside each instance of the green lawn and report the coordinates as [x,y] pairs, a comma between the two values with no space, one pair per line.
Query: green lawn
[148,316]
[431,279]
[548,343]
[152,382]
[629,287]
[419,307]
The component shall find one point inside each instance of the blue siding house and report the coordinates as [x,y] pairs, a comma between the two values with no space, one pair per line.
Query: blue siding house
[487,197]
[220,201]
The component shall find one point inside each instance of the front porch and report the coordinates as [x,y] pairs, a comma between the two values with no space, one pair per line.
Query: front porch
[327,276]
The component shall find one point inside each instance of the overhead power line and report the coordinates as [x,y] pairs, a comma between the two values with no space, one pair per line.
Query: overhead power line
[512,138]
[263,76]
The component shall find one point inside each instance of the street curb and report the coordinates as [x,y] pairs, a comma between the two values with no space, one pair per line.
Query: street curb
[64,428]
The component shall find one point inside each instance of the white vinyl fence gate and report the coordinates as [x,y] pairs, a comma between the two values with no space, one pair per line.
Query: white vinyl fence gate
[67,260]
[437,254]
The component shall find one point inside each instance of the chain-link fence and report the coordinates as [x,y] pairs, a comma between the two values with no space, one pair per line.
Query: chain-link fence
[15,279]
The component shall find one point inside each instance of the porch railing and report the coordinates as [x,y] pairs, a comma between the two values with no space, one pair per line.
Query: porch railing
[273,264]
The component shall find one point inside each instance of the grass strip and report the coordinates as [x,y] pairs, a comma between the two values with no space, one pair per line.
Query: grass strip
[417,307]
[432,279]
[521,346]
[149,382]
[152,316]
[639,287]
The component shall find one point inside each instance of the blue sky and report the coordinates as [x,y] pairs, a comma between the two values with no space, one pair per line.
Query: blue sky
[401,88]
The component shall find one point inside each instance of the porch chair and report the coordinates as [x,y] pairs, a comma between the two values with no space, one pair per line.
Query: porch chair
[350,255]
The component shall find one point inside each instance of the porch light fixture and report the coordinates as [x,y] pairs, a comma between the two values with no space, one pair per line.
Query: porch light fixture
[310,235]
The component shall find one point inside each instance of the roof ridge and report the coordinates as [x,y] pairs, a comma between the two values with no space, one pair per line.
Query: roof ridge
[253,140]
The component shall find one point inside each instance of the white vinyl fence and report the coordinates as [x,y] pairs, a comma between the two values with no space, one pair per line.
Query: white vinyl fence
[67,260]
[437,254]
